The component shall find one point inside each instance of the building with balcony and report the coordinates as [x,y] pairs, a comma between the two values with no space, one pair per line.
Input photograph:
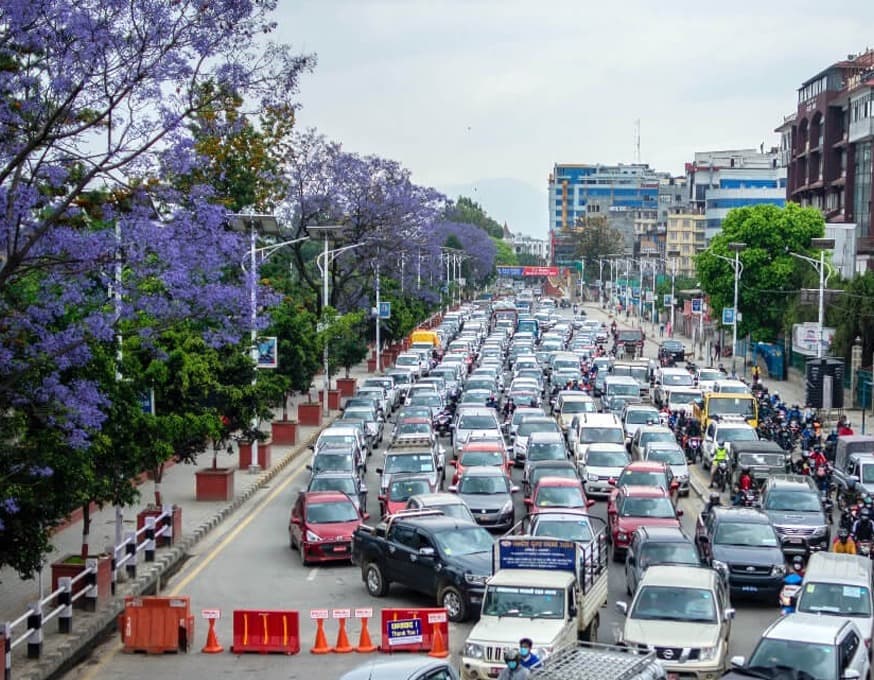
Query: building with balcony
[717,181]
[686,235]
[828,143]
[528,245]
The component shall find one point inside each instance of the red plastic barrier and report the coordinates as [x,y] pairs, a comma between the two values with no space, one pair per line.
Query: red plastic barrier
[266,631]
[412,630]
[156,625]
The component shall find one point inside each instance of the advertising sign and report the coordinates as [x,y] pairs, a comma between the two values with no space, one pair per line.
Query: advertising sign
[268,352]
[509,271]
[668,301]
[539,271]
[537,553]
[404,632]
[805,338]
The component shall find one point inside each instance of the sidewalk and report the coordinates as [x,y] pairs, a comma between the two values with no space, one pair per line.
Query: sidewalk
[198,519]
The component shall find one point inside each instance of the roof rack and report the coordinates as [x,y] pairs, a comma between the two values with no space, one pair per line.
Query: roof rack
[591,661]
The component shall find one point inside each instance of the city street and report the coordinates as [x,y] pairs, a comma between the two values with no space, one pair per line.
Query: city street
[248,565]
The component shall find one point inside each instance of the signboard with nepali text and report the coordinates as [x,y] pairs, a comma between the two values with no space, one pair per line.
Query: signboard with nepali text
[404,632]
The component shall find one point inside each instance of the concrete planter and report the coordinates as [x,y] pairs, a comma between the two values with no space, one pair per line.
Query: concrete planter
[346,386]
[73,565]
[214,484]
[284,432]
[371,365]
[309,414]
[176,521]
[264,454]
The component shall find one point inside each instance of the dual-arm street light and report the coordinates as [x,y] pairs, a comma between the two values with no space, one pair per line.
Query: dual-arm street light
[820,265]
[601,261]
[674,255]
[738,268]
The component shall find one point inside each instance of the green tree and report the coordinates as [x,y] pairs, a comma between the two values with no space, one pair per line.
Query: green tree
[594,239]
[770,273]
[345,337]
[505,256]
[852,316]
[468,211]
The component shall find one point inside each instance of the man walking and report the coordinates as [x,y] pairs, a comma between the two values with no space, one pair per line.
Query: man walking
[717,351]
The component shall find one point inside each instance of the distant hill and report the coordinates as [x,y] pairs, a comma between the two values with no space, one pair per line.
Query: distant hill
[521,205]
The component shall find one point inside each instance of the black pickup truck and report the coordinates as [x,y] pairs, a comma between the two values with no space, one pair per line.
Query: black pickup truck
[427,551]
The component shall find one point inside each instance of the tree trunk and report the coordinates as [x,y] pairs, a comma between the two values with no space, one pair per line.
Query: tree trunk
[86,529]
[285,405]
[158,476]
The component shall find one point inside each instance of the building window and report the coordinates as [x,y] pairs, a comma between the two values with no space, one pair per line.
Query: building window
[862,189]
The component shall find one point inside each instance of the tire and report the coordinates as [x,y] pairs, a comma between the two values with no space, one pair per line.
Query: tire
[590,634]
[453,601]
[616,555]
[374,580]
[303,559]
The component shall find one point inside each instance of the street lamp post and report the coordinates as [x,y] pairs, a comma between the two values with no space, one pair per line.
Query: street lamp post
[674,254]
[820,265]
[737,268]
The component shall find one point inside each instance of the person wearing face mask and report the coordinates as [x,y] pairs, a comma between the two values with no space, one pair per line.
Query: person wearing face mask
[514,670]
[526,657]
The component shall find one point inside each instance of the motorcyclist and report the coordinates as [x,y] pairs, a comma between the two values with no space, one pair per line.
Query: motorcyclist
[492,402]
[843,543]
[794,577]
[863,527]
[509,408]
[514,670]
[720,455]
[713,502]
[844,429]
[744,483]
[527,657]
[795,413]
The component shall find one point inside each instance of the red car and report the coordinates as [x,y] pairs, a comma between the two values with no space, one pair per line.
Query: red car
[557,492]
[635,506]
[321,526]
[401,489]
[489,453]
[647,473]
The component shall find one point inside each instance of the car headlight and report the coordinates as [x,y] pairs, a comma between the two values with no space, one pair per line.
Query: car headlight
[473,650]
[475,579]
[683,478]
[592,477]
[313,538]
[708,653]
[721,567]
[778,570]
[621,536]
[819,532]
[508,508]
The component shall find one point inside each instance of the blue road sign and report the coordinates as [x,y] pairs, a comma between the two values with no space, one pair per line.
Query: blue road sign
[728,316]
[385,310]
[697,305]
[668,302]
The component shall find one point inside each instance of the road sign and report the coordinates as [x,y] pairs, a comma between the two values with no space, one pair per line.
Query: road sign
[697,305]
[385,310]
[728,316]
[341,613]
[211,614]
[668,301]
[363,612]
[318,614]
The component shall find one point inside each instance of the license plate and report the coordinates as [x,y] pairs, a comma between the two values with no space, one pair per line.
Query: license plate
[494,671]
[340,548]
[749,589]
[794,541]
[673,676]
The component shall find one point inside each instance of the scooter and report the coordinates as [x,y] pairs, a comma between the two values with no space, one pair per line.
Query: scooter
[789,595]
[720,476]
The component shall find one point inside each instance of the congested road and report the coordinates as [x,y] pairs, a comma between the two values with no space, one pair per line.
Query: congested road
[248,565]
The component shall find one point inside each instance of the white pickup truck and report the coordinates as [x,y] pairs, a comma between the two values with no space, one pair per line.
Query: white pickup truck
[547,589]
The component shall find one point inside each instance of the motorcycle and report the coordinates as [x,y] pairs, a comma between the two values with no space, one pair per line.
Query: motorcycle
[863,548]
[693,449]
[748,498]
[788,597]
[442,424]
[720,475]
[828,506]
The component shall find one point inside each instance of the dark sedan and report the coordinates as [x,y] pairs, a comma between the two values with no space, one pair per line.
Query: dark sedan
[671,351]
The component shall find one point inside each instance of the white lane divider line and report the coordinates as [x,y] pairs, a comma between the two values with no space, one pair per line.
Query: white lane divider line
[312,575]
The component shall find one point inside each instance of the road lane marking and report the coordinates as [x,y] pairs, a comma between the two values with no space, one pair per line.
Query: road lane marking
[312,575]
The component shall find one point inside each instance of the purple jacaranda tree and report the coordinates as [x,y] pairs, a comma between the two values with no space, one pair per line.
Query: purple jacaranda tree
[92,93]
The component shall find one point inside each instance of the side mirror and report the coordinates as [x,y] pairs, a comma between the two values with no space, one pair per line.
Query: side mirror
[310,468]
[312,447]
[295,519]
[429,552]
[737,661]
[730,613]
[850,673]
[590,502]
[453,463]
[611,482]
[365,516]
[529,502]
[679,512]
[379,471]
[514,489]
[703,538]
[382,498]
[452,488]
[622,608]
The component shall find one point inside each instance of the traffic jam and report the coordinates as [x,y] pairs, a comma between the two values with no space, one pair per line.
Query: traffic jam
[529,469]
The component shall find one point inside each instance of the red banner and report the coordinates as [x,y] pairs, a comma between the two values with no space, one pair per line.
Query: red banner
[539,271]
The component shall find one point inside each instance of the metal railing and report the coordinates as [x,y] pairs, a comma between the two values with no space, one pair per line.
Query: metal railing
[84,586]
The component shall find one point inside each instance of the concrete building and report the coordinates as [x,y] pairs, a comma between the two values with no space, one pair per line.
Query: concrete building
[528,245]
[717,181]
[686,234]
[827,144]
[617,191]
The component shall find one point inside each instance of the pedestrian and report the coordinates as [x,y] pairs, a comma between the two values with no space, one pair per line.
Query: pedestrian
[717,350]
[756,374]
[661,330]
[669,328]
[526,657]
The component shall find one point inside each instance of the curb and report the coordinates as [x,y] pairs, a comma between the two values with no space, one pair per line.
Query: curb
[71,648]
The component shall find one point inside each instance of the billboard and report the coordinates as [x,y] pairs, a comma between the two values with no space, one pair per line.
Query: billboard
[539,271]
[805,337]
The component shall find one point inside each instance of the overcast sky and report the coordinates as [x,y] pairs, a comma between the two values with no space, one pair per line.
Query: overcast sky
[483,96]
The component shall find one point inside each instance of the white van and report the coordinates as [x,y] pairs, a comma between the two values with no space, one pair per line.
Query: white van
[839,585]
[622,386]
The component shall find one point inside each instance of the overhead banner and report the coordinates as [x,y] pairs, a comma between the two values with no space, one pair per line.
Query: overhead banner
[539,271]
[510,271]
[805,338]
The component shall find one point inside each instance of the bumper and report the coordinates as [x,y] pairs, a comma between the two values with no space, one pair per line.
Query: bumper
[333,551]
[693,670]
[800,545]
[494,520]
[599,489]
[766,587]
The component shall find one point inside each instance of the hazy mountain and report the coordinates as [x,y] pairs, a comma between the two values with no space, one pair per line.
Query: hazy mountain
[520,205]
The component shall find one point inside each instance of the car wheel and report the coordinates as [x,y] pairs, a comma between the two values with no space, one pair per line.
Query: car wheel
[375,582]
[452,600]
[617,555]
[590,634]
[303,556]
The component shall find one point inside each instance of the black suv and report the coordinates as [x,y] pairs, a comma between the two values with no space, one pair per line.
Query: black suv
[793,505]
[671,351]
[656,545]
[741,544]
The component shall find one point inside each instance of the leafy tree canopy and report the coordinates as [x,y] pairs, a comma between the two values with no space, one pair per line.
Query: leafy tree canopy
[595,239]
[504,255]
[468,211]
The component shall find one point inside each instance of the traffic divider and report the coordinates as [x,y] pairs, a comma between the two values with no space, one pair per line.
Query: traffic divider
[266,631]
[156,625]
[413,630]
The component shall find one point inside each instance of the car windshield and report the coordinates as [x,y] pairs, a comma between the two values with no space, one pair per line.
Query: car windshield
[623,390]
[546,451]
[480,384]
[336,439]
[474,458]
[737,434]
[476,423]
[602,435]
[835,598]
[668,553]
[414,428]
[682,397]
[568,530]
[563,472]
[561,497]
[642,416]
[526,427]
[671,603]
[407,360]
[659,507]
[814,661]
[868,474]
[647,437]
[409,462]
[426,399]
[456,510]
[328,462]
[344,484]
[677,379]
[731,406]
[401,378]
[669,456]
[707,375]
[464,541]
[331,513]
[761,460]
[637,478]
[512,601]
[359,414]
[745,534]
[403,489]
[793,501]
[640,374]
[578,406]
[483,485]
[606,458]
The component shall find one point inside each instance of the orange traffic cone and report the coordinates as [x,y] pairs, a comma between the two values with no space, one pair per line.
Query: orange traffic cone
[212,645]
[343,646]
[365,644]
[438,644]
[321,646]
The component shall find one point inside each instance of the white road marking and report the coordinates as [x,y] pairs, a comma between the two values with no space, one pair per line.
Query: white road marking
[312,575]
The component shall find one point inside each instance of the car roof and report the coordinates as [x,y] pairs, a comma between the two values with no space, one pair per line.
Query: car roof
[535,437]
[607,446]
[682,576]
[645,429]
[483,445]
[739,515]
[395,668]
[483,471]
[557,481]
[542,577]
[645,466]
[790,482]
[639,491]
[439,498]
[811,628]
[325,497]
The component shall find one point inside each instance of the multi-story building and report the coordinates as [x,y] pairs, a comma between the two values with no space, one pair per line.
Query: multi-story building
[686,235]
[617,191]
[828,143]
[717,181]
[528,245]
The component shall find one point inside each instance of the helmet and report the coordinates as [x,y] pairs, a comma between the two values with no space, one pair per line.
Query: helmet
[745,470]
[715,499]
[843,534]
[868,501]
[798,563]
[721,443]
[511,654]
[865,512]
[805,455]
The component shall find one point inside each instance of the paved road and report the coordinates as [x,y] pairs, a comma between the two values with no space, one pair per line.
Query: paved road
[249,565]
